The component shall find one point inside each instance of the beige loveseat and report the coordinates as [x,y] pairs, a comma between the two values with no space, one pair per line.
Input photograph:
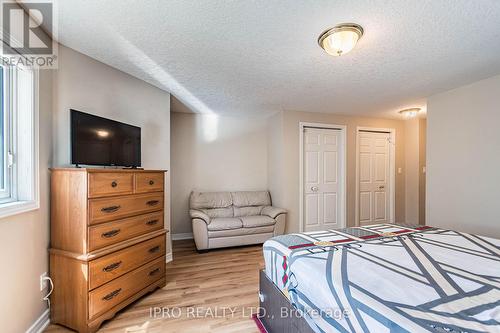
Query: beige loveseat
[222,219]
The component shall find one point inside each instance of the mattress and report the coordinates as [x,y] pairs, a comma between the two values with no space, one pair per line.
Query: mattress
[389,278]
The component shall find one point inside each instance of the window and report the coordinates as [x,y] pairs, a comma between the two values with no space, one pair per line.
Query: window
[18,140]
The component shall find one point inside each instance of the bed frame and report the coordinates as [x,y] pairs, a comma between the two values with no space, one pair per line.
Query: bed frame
[272,302]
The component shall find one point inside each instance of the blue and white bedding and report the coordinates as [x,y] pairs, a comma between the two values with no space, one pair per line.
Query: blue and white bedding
[389,278]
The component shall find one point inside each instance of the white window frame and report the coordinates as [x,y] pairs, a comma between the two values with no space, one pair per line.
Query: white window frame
[22,148]
[5,194]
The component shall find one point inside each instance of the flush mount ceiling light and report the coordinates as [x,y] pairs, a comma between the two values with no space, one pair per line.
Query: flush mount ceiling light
[410,113]
[340,39]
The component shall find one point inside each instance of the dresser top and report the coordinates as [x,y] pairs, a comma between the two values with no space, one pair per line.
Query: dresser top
[101,170]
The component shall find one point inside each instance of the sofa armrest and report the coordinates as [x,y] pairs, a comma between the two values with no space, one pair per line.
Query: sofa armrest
[198,214]
[272,212]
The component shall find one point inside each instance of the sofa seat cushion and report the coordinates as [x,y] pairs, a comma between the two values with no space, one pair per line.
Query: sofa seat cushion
[247,211]
[224,223]
[256,221]
[241,232]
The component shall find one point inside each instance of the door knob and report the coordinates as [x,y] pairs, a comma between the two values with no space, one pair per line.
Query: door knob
[314,188]
[381,187]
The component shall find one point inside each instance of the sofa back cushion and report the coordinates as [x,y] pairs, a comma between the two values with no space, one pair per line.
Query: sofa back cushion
[214,204]
[219,212]
[251,198]
[210,200]
[250,203]
[230,204]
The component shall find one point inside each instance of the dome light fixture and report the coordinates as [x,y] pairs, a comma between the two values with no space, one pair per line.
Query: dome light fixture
[410,113]
[340,39]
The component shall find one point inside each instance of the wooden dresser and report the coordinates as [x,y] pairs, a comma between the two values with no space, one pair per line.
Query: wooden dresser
[107,242]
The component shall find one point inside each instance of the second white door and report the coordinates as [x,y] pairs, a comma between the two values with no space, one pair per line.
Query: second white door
[323,179]
[374,196]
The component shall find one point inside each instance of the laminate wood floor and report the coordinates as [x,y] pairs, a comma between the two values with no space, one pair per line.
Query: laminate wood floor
[210,292]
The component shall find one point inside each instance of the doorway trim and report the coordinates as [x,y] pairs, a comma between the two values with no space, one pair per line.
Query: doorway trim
[343,131]
[392,171]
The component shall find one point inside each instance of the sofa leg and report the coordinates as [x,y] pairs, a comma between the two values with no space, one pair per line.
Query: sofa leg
[202,251]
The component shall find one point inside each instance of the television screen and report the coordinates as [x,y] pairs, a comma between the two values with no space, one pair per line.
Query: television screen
[100,141]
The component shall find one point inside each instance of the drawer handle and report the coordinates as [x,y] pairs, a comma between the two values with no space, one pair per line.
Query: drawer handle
[152,222]
[154,249]
[151,182]
[112,295]
[112,267]
[152,202]
[110,233]
[154,271]
[110,209]
[114,183]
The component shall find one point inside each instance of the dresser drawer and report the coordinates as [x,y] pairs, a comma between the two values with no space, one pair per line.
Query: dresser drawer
[107,184]
[104,234]
[116,264]
[116,291]
[107,209]
[149,182]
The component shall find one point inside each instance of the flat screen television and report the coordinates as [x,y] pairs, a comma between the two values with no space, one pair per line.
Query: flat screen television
[100,141]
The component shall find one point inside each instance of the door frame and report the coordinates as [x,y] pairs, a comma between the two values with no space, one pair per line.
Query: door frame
[343,165]
[392,171]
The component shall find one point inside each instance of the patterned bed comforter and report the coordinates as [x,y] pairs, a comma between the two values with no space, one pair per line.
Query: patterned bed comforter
[389,278]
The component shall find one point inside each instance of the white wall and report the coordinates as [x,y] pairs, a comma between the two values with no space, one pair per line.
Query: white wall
[24,238]
[88,85]
[463,158]
[275,159]
[215,153]
[412,163]
[423,166]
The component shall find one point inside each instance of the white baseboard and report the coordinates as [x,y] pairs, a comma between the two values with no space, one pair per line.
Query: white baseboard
[187,235]
[41,323]
[169,257]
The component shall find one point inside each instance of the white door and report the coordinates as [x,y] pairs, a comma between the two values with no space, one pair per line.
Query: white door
[323,179]
[374,177]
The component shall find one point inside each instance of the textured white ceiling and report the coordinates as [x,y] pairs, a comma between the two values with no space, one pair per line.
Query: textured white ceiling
[243,56]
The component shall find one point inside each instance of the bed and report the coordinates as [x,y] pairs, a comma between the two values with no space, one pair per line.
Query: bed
[381,278]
